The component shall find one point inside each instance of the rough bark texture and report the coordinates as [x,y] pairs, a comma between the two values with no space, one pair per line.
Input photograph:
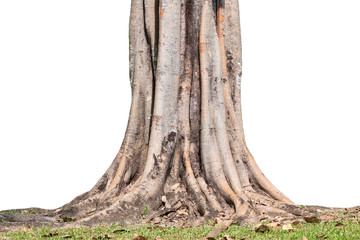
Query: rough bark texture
[184,154]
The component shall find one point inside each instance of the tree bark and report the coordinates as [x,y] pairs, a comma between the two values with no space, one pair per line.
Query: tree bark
[184,148]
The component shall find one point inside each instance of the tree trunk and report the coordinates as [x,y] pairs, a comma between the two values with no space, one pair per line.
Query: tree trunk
[184,148]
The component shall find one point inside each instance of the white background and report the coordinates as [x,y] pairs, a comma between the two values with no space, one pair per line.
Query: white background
[65,96]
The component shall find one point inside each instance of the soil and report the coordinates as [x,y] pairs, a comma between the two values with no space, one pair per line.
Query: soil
[20,219]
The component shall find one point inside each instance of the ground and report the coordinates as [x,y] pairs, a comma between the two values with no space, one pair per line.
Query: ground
[328,223]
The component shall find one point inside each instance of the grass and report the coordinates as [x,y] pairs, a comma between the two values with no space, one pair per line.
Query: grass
[349,230]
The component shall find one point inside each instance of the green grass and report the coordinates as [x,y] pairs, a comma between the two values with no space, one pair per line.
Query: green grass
[350,230]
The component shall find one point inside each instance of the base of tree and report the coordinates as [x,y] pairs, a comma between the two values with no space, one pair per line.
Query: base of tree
[178,216]
[184,158]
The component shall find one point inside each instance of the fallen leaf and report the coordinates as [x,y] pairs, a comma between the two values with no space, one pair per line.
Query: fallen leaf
[182,212]
[139,237]
[121,230]
[66,236]
[287,227]
[227,237]
[224,223]
[50,235]
[339,224]
[214,233]
[322,236]
[245,237]
[197,223]
[67,219]
[305,238]
[295,222]
[104,236]
[273,225]
[262,229]
[312,219]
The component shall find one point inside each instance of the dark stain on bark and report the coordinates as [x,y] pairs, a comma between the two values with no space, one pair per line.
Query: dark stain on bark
[180,92]
[167,149]
[172,137]
[102,183]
